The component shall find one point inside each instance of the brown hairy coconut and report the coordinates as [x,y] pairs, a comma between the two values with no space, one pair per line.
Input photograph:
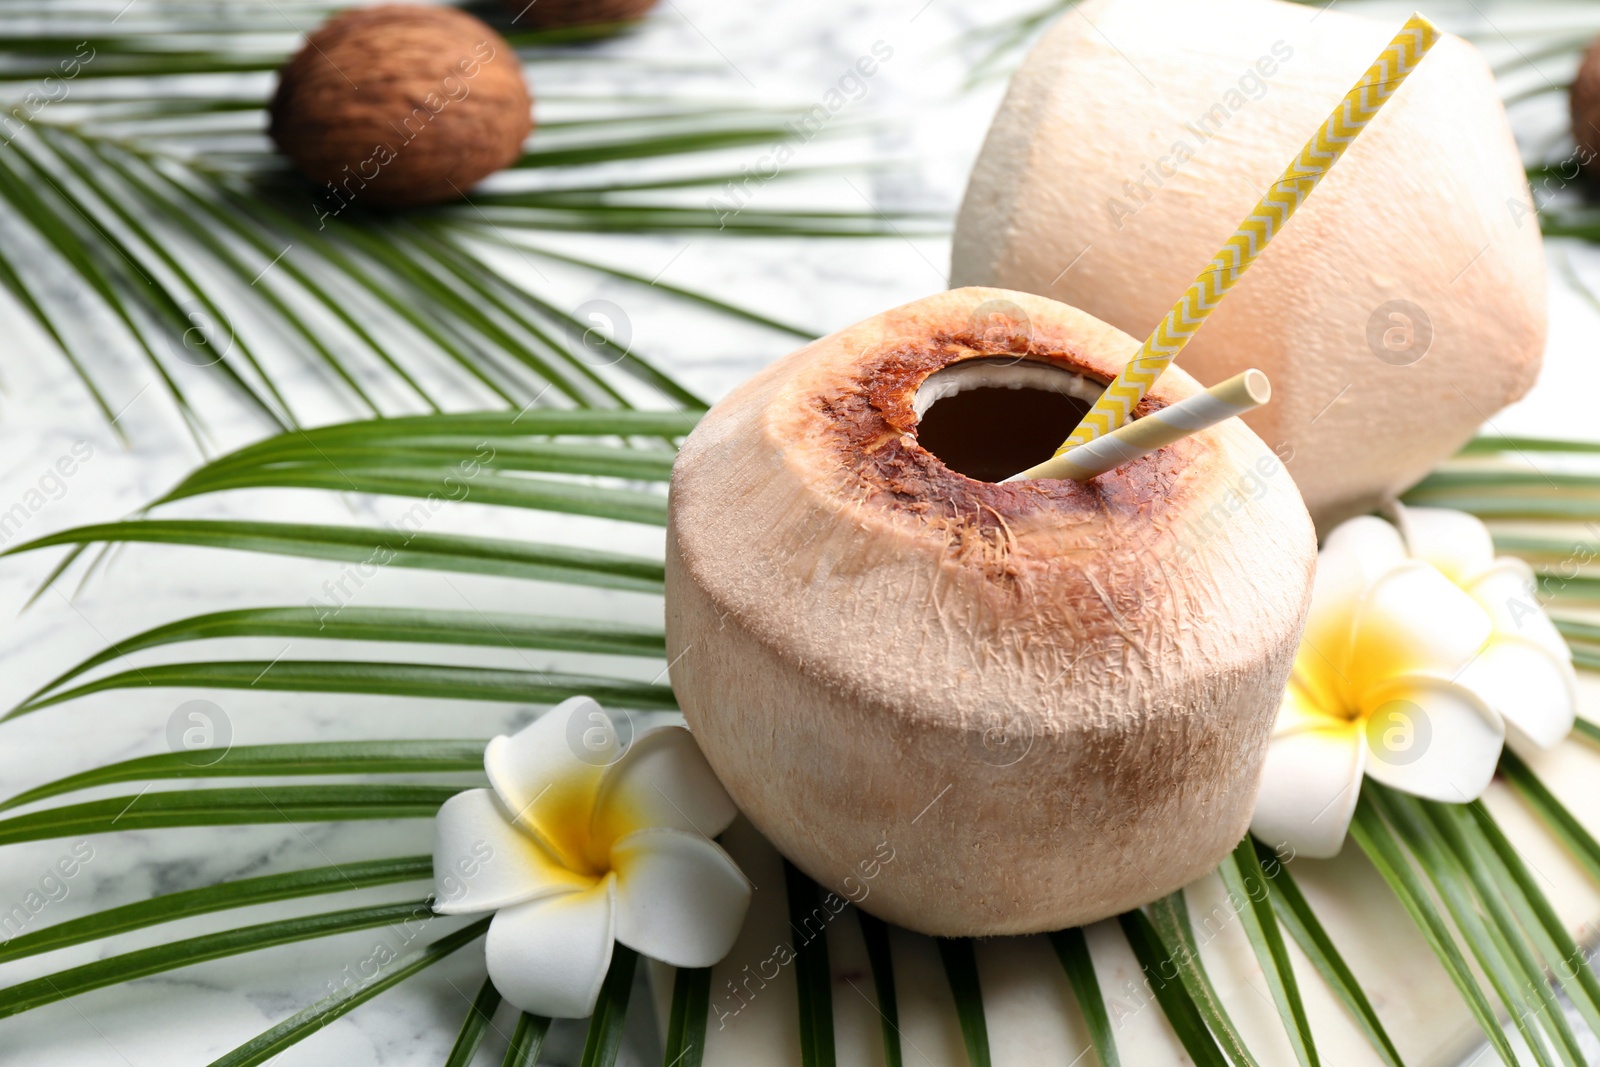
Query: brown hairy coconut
[977,708]
[1585,101]
[1403,305]
[401,104]
[554,14]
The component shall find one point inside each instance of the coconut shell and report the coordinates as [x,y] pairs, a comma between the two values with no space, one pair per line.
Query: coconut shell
[978,708]
[401,104]
[554,14]
[1401,307]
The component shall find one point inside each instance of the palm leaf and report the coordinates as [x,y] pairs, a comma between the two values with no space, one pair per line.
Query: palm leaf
[155,191]
[686,1021]
[1176,1004]
[1072,948]
[191,950]
[442,681]
[1247,882]
[961,971]
[1377,839]
[227,807]
[624,448]
[1579,842]
[526,1041]
[483,457]
[578,452]
[1001,45]
[268,761]
[1569,963]
[813,979]
[354,544]
[474,1026]
[271,1043]
[1488,944]
[166,208]
[1489,444]
[1307,930]
[1510,920]
[402,625]
[604,1038]
[1170,918]
[243,893]
[875,933]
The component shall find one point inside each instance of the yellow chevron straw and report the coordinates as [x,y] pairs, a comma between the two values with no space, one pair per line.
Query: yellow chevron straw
[1359,105]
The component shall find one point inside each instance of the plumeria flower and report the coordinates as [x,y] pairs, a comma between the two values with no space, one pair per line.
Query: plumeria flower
[579,844]
[1422,655]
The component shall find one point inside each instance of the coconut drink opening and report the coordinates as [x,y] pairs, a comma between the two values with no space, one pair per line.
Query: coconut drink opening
[989,418]
[1047,701]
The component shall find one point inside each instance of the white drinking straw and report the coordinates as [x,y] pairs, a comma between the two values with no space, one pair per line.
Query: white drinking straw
[1241,393]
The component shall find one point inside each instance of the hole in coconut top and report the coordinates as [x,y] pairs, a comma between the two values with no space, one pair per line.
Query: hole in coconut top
[990,418]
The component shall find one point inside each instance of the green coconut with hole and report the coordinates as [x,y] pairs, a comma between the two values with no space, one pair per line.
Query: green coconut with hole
[1046,702]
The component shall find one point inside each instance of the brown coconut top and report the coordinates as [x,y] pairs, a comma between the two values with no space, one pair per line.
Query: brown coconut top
[808,487]
[401,104]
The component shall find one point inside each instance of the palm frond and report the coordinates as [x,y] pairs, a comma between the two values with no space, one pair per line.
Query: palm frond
[142,963]
[271,1043]
[401,625]
[474,1026]
[1072,948]
[1155,960]
[167,209]
[1578,841]
[1512,925]
[1376,837]
[961,971]
[604,1039]
[1245,879]
[875,934]
[527,1040]
[273,761]
[441,680]
[145,178]
[592,450]
[1170,918]
[1297,915]
[356,544]
[686,1021]
[607,464]
[1488,944]
[1517,885]
[242,893]
[227,807]
[1002,44]
[629,453]
[813,980]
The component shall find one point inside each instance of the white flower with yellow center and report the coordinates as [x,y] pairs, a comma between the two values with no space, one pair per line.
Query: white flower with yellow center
[1422,655]
[577,846]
